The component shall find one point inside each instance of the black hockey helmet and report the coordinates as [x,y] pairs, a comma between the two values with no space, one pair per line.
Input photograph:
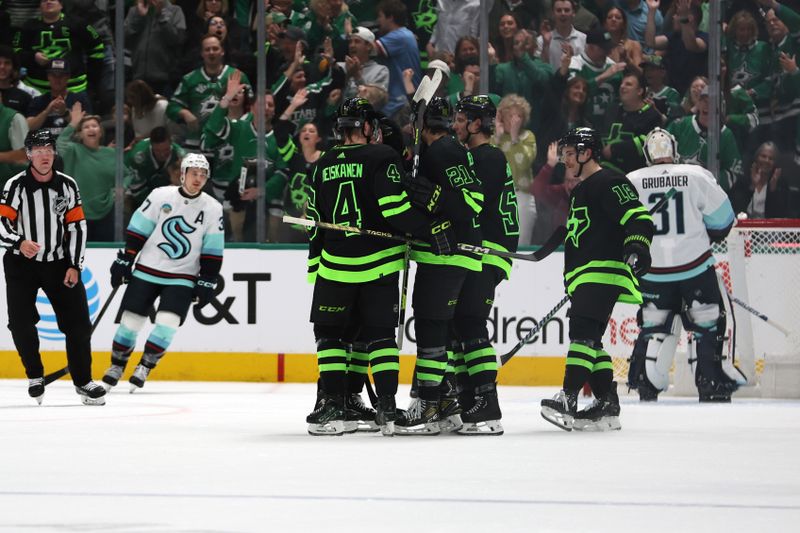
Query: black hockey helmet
[582,139]
[391,133]
[41,137]
[438,114]
[478,106]
[354,113]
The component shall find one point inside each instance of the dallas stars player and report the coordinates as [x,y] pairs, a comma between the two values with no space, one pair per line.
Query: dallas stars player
[476,368]
[356,277]
[448,188]
[178,237]
[606,248]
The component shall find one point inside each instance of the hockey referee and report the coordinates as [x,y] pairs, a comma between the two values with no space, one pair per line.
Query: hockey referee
[43,230]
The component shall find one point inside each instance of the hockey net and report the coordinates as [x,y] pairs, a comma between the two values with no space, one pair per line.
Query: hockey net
[759,264]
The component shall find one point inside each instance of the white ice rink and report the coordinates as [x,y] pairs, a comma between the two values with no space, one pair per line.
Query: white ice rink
[229,457]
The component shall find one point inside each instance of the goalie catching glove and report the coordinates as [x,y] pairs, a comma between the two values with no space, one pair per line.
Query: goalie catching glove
[121,269]
[204,291]
[637,256]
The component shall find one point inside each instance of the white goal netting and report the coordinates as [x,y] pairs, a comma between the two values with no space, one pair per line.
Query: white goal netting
[759,263]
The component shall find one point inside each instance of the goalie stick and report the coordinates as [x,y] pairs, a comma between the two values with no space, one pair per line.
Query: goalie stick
[555,240]
[744,305]
[58,374]
[532,333]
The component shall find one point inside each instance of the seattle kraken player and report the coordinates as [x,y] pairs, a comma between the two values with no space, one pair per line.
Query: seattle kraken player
[681,285]
[176,237]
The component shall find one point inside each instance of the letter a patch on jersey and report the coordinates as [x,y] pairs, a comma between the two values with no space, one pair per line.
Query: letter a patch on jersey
[577,223]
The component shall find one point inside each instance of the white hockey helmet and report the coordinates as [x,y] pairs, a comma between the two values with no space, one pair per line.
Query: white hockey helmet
[194,161]
[660,144]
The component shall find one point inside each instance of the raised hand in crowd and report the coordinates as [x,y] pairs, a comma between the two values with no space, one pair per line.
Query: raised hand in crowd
[298,100]
[566,58]
[552,154]
[233,88]
[408,81]
[76,114]
[759,177]
[788,63]
[57,106]
[334,97]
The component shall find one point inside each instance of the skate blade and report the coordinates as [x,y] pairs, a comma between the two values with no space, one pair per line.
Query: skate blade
[488,427]
[429,428]
[107,386]
[607,423]
[93,401]
[366,426]
[558,419]
[450,424]
[134,387]
[387,430]
[334,428]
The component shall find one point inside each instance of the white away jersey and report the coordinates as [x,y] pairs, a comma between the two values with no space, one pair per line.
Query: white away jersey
[681,246]
[177,230]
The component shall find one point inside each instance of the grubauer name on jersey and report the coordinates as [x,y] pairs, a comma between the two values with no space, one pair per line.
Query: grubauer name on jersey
[681,247]
[178,231]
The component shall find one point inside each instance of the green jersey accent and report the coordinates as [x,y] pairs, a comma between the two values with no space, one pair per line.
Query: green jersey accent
[667,101]
[200,94]
[750,66]
[7,170]
[693,149]
[448,164]
[359,190]
[604,211]
[602,95]
[146,173]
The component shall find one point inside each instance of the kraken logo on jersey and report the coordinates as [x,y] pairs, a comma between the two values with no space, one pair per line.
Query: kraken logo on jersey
[577,223]
[174,230]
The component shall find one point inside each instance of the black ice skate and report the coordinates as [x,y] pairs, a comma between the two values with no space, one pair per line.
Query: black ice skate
[358,416]
[386,415]
[601,415]
[92,394]
[715,390]
[450,409]
[561,409]
[327,419]
[419,419]
[139,376]
[483,418]
[36,389]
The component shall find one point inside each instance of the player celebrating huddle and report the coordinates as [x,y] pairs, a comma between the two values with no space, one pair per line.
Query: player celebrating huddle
[607,246]
[681,284]
[356,277]
[446,188]
[476,365]
[176,237]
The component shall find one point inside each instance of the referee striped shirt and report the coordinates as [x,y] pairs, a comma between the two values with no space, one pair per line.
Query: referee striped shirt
[47,213]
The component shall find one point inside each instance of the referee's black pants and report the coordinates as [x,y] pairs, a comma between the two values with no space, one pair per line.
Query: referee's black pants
[24,277]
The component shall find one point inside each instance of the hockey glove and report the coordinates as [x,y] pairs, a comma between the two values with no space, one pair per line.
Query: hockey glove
[121,269]
[204,291]
[637,256]
[442,238]
[424,194]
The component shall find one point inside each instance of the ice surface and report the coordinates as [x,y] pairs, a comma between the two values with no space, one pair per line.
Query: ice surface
[231,457]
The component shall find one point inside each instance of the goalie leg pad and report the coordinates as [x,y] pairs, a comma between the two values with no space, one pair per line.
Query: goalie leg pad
[707,325]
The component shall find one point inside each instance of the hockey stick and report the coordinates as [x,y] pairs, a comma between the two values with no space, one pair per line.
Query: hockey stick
[744,305]
[505,357]
[58,374]
[555,240]
[425,91]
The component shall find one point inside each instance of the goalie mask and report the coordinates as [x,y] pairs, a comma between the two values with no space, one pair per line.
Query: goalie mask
[660,144]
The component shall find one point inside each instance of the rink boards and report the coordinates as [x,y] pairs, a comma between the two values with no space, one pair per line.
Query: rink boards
[257,327]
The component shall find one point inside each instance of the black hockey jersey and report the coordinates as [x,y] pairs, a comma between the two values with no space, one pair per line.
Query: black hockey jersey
[605,214]
[499,217]
[359,185]
[448,164]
